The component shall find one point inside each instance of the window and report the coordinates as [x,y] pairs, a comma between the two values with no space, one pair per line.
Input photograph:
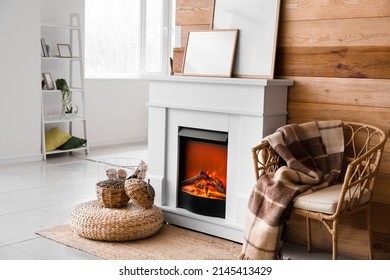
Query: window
[153,31]
[125,37]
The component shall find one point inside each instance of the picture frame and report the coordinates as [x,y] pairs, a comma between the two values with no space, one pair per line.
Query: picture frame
[210,53]
[64,50]
[48,81]
[43,84]
[44,50]
[257,21]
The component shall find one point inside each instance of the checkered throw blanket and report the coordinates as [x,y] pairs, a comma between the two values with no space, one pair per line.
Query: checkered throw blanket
[313,153]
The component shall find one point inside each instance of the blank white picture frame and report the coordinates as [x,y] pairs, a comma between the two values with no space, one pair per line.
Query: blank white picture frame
[64,50]
[257,21]
[210,53]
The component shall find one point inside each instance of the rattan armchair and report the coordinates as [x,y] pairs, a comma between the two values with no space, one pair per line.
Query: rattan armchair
[362,155]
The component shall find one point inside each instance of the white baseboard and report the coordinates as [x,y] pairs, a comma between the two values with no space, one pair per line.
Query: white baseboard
[20,159]
[133,140]
[96,144]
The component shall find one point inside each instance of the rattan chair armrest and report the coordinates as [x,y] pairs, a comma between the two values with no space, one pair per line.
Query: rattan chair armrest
[265,159]
[359,178]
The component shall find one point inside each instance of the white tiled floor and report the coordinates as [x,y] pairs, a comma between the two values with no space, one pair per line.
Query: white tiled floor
[42,194]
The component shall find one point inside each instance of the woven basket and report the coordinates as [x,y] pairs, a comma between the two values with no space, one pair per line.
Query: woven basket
[92,221]
[140,192]
[111,193]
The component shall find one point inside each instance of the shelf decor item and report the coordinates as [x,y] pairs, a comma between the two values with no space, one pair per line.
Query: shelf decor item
[69,109]
[64,50]
[45,49]
[48,81]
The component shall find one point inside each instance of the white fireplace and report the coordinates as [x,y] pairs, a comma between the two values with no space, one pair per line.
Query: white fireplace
[245,110]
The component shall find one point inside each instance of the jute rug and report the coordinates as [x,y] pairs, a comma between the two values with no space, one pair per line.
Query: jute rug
[170,243]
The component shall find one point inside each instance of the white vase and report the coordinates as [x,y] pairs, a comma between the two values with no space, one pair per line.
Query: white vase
[69,110]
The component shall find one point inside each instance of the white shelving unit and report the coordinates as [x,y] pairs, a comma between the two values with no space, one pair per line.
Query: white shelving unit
[72,70]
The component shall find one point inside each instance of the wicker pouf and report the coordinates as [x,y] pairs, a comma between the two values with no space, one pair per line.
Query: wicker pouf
[92,221]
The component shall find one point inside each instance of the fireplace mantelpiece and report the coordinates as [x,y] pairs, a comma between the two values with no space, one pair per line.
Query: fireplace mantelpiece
[247,109]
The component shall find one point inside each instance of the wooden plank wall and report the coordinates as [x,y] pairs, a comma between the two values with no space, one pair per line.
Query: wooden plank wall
[338,54]
[190,15]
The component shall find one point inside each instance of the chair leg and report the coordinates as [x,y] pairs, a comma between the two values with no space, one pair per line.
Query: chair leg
[308,234]
[369,232]
[334,233]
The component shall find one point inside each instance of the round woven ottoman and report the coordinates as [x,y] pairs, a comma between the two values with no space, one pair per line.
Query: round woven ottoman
[92,221]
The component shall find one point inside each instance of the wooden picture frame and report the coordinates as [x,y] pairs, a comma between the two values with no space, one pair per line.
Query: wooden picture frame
[257,21]
[49,83]
[210,53]
[64,50]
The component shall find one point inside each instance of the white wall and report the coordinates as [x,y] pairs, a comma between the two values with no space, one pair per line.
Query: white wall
[20,111]
[116,111]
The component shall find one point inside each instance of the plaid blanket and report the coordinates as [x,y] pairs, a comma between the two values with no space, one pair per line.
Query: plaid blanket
[313,153]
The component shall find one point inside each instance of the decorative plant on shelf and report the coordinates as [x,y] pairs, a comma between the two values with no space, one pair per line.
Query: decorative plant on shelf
[69,109]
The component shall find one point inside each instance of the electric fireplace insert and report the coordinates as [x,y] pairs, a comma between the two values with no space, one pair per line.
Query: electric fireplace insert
[202,166]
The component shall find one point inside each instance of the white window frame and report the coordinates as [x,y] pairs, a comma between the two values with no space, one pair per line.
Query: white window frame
[166,27]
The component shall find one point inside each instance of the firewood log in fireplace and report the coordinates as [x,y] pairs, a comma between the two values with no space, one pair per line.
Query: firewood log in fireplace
[204,185]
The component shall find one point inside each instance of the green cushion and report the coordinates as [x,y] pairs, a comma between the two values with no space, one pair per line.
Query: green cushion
[73,143]
[55,138]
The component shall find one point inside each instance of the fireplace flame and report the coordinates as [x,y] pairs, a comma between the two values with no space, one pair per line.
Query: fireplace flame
[204,185]
[205,170]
